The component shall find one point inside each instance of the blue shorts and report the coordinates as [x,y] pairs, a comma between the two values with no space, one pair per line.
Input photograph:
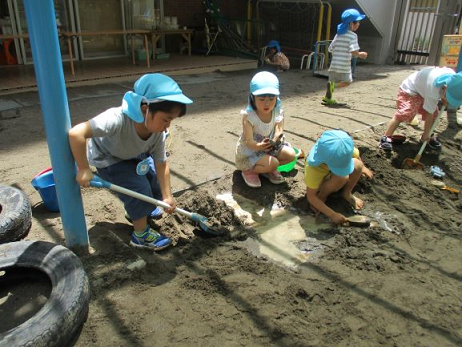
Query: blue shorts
[124,174]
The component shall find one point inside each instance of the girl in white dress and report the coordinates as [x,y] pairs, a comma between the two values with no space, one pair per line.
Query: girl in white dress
[261,149]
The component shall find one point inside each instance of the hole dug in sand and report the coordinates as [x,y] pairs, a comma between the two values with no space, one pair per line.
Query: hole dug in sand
[282,236]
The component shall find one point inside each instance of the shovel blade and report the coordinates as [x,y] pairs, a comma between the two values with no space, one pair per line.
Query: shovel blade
[410,163]
[202,221]
[359,220]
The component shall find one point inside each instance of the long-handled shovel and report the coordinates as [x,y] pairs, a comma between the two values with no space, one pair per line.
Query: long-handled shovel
[415,163]
[98,182]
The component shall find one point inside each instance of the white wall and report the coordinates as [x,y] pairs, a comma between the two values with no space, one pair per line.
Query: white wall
[382,15]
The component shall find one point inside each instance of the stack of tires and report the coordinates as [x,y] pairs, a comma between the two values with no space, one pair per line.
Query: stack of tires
[57,322]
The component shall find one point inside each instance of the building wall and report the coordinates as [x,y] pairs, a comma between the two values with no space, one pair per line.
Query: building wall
[382,16]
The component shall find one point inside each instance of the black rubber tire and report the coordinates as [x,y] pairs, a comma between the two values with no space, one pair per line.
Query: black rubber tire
[15,214]
[56,323]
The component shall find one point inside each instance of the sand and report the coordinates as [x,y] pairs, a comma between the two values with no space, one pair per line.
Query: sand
[394,283]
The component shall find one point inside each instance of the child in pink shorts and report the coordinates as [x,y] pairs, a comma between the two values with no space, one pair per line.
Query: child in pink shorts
[420,93]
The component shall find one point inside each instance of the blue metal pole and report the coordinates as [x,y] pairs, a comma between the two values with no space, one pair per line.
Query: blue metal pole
[43,34]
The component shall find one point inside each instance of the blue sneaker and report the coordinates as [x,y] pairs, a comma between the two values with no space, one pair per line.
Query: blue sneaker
[150,239]
[157,213]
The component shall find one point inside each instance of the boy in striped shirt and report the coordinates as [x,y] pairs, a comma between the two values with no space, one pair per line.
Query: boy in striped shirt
[343,48]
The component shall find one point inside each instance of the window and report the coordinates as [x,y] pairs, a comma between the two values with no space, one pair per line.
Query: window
[428,6]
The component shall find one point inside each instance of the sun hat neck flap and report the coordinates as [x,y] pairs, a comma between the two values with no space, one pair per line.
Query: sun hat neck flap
[264,82]
[150,88]
[453,84]
[342,28]
[335,149]
[274,44]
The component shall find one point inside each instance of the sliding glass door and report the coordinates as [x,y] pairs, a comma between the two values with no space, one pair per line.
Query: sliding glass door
[97,16]
[16,22]
[100,16]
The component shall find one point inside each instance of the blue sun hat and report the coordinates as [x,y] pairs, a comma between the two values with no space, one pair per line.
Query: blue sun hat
[335,149]
[148,89]
[264,83]
[348,16]
[453,83]
[274,44]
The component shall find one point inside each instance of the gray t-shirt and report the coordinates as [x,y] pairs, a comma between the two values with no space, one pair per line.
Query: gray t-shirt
[115,139]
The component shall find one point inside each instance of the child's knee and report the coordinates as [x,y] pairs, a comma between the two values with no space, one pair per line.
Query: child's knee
[343,180]
[272,163]
[287,154]
[338,181]
[358,165]
[292,154]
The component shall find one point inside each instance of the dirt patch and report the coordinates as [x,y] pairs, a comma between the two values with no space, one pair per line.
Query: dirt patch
[395,283]
[388,283]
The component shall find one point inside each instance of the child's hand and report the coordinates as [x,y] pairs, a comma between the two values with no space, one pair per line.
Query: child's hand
[366,172]
[84,177]
[171,201]
[265,145]
[362,55]
[276,142]
[338,218]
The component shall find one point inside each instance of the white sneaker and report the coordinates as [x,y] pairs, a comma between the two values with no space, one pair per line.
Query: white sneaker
[251,178]
[274,177]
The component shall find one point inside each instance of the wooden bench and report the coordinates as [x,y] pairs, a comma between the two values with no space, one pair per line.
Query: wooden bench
[144,33]
[157,34]
[155,37]
[17,36]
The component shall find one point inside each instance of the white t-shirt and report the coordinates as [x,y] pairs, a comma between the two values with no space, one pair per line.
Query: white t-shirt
[115,139]
[421,83]
[246,157]
[341,48]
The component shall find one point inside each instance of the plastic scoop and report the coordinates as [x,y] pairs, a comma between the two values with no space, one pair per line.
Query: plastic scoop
[415,163]
[442,185]
[359,221]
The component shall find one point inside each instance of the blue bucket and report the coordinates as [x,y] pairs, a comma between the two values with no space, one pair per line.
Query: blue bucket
[44,183]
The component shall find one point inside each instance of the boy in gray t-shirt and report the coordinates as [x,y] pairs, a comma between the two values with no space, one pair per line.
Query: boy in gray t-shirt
[127,147]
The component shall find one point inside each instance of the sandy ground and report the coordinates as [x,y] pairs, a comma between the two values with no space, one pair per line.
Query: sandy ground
[395,283]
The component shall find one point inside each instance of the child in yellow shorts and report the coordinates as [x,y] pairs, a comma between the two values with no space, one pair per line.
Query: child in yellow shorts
[333,165]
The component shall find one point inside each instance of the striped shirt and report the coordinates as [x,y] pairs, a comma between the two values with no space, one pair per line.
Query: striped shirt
[341,48]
